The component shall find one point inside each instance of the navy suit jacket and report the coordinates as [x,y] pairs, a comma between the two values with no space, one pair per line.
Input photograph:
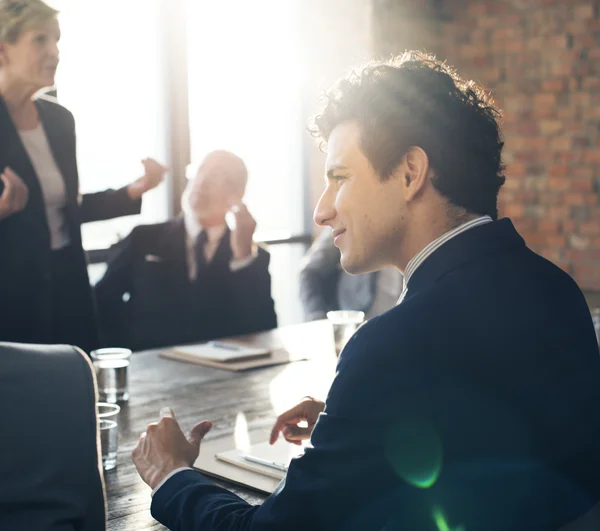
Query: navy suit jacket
[26,283]
[164,308]
[475,401]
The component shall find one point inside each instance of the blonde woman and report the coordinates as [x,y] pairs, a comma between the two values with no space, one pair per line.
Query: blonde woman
[45,294]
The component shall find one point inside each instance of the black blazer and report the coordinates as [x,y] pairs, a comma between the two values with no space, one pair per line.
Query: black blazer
[475,401]
[162,307]
[25,274]
[50,476]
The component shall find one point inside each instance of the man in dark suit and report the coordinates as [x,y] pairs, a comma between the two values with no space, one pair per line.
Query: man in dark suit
[473,404]
[192,278]
[50,466]
[325,286]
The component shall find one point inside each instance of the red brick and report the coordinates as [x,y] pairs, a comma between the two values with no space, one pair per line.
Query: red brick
[558,184]
[591,156]
[554,85]
[583,12]
[477,9]
[548,225]
[514,211]
[558,170]
[582,185]
[591,83]
[589,229]
[561,143]
[550,127]
[574,198]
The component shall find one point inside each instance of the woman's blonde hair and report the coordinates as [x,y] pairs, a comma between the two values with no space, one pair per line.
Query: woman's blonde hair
[17,16]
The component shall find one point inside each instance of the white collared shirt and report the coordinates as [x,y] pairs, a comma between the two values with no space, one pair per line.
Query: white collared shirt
[416,261]
[52,184]
[213,239]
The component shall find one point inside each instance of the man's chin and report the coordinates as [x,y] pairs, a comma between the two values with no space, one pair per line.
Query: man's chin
[356,266]
[352,267]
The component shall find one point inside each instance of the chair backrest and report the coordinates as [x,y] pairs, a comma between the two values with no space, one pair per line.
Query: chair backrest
[50,465]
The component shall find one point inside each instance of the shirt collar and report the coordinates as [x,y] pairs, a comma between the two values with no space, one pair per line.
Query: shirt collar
[193,229]
[429,249]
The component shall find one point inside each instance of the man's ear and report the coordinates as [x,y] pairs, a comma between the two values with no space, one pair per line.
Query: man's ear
[415,166]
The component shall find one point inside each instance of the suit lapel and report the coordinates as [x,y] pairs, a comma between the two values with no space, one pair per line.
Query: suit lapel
[173,249]
[15,155]
[60,137]
[223,253]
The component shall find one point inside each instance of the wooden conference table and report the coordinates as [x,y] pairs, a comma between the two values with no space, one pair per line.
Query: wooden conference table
[252,398]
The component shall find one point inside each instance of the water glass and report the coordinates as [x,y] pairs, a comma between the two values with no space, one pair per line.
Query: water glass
[111,373]
[108,420]
[344,324]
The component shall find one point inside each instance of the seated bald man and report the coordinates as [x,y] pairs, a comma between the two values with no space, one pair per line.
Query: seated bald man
[191,278]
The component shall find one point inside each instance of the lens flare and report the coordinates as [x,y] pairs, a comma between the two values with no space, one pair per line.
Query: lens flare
[414,450]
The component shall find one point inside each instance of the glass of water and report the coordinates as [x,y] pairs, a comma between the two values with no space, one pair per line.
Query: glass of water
[344,325]
[108,421]
[111,373]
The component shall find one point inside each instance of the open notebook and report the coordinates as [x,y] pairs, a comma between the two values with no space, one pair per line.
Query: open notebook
[279,455]
[221,351]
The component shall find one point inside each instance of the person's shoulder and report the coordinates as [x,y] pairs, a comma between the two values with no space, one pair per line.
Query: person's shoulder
[151,231]
[386,338]
[51,105]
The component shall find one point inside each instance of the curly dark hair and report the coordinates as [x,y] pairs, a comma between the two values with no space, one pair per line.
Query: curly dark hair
[416,100]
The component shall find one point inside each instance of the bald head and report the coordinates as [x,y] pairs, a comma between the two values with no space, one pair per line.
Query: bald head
[219,183]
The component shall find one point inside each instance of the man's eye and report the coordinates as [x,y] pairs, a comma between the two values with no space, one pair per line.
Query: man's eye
[40,39]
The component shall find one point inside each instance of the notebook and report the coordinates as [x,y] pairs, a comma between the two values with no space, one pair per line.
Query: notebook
[281,454]
[275,356]
[221,351]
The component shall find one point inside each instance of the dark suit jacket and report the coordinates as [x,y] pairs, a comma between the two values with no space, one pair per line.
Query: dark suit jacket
[474,401]
[50,478]
[164,307]
[25,253]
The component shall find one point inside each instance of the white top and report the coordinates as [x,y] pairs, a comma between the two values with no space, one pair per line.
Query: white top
[51,182]
[416,261]
[214,236]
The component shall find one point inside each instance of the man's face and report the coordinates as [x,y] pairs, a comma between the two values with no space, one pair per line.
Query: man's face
[214,189]
[365,214]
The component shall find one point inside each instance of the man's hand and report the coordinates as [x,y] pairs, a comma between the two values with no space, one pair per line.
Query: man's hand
[287,423]
[163,448]
[154,173]
[15,194]
[241,237]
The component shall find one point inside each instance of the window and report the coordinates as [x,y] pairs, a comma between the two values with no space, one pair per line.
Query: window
[110,79]
[245,96]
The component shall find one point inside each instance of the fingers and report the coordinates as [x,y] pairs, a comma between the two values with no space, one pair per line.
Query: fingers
[167,412]
[21,192]
[16,193]
[294,415]
[7,194]
[199,431]
[296,433]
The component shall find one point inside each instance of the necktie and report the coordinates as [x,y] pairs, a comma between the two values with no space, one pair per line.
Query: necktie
[200,257]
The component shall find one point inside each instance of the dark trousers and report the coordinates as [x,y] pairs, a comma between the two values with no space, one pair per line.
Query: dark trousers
[73,311]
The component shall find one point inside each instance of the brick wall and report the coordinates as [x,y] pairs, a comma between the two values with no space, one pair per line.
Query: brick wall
[542,60]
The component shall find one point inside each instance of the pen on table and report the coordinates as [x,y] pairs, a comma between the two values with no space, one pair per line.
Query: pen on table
[225,346]
[265,462]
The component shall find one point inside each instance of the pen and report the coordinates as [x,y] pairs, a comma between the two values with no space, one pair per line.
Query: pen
[224,346]
[265,462]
